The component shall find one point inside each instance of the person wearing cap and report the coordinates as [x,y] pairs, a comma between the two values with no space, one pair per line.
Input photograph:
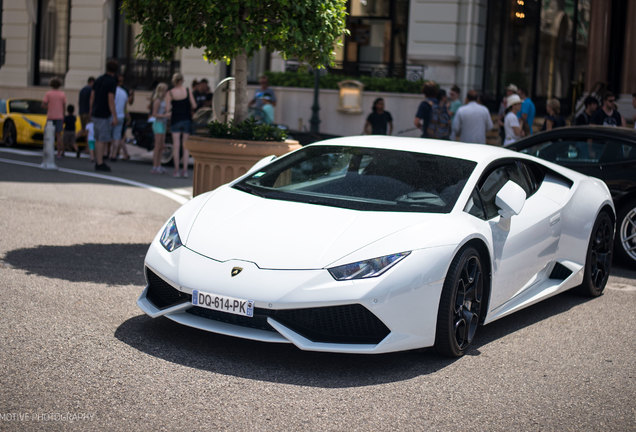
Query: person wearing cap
[585,118]
[512,125]
[510,90]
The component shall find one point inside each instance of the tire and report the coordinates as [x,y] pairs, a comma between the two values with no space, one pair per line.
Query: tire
[460,305]
[598,260]
[9,134]
[625,242]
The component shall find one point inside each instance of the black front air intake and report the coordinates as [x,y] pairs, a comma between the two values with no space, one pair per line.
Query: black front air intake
[162,294]
[352,324]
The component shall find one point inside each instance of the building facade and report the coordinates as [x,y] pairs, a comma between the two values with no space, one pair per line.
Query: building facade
[553,48]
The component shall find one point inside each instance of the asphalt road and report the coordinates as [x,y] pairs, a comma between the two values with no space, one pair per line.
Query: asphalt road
[77,354]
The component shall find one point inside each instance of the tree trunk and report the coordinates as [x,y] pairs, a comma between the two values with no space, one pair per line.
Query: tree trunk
[240,75]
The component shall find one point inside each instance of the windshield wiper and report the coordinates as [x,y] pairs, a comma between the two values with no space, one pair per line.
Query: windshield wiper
[249,189]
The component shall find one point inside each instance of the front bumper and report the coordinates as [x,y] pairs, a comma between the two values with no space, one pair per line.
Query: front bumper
[308,308]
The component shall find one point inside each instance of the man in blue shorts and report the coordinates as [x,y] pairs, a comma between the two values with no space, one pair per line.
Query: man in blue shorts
[103,112]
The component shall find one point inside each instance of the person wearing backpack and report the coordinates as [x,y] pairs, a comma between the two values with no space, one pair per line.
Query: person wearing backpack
[440,124]
[424,110]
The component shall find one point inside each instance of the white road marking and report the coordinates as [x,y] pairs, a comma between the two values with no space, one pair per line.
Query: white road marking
[178,197]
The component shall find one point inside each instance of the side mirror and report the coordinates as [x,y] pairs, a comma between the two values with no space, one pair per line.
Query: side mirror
[510,199]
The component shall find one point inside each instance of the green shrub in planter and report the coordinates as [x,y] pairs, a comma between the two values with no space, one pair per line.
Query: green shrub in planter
[305,79]
[247,130]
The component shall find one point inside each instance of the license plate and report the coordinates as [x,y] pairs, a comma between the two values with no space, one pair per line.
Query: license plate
[223,303]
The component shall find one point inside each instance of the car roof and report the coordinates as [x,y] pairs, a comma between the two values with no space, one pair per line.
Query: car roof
[480,153]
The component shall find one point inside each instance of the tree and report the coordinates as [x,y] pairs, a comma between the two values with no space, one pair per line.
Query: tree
[235,29]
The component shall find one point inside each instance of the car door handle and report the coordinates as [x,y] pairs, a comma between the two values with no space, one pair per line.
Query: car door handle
[555,219]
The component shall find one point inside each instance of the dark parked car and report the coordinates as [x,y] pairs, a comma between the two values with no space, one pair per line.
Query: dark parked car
[604,152]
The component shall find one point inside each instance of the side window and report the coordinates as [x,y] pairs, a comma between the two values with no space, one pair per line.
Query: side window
[569,150]
[474,205]
[488,188]
[482,201]
[615,151]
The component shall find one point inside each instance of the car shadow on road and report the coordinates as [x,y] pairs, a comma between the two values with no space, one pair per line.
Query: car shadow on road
[111,264]
[284,363]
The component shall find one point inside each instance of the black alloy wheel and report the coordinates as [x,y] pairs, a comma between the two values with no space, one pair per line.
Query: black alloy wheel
[598,260]
[460,304]
[9,134]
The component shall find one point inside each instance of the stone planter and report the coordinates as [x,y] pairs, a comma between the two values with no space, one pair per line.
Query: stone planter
[218,161]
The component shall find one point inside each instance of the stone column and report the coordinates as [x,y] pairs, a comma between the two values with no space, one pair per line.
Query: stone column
[89,41]
[598,51]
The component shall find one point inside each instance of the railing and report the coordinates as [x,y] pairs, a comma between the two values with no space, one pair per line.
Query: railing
[146,74]
[383,70]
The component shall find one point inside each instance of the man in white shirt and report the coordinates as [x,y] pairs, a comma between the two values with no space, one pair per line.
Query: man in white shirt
[121,100]
[472,121]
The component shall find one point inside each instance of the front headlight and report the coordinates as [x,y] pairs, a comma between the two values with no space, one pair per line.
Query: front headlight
[32,123]
[366,269]
[170,236]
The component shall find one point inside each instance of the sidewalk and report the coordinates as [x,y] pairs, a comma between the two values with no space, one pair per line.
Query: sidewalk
[136,169]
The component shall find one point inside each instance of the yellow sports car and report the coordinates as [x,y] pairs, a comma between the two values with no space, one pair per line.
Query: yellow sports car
[22,121]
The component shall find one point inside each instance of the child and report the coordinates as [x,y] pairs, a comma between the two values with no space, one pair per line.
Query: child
[69,130]
[90,138]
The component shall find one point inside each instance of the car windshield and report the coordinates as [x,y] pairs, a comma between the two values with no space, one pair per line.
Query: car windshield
[26,107]
[363,179]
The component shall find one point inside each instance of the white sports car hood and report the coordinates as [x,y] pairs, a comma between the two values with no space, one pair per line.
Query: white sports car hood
[277,234]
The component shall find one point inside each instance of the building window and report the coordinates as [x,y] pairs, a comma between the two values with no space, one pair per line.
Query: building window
[539,45]
[377,43]
[52,40]
[139,73]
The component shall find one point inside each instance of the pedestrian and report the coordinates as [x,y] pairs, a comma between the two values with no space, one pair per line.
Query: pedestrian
[527,112]
[379,122]
[553,119]
[55,104]
[512,124]
[585,118]
[103,112]
[256,104]
[472,121]
[268,110]
[69,137]
[180,104]
[159,126]
[455,101]
[84,104]
[510,90]
[257,101]
[121,110]
[202,95]
[440,124]
[130,92]
[90,140]
[607,115]
[424,110]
